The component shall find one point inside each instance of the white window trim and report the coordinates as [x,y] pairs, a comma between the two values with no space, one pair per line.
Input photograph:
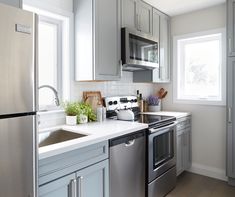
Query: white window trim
[68,42]
[176,69]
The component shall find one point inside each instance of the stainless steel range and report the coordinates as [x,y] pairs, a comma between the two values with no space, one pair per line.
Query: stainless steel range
[160,146]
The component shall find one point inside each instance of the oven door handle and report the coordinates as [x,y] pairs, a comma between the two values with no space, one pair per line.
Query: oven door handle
[163,130]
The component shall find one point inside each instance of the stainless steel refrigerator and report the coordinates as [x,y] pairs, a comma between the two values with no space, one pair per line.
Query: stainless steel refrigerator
[17,103]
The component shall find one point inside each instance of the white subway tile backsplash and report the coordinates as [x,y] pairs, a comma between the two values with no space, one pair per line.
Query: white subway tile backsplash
[112,88]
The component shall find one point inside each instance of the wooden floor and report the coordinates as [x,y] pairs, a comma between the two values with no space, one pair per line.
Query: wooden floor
[192,185]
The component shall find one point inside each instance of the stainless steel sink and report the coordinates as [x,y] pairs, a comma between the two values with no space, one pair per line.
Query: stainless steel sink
[54,137]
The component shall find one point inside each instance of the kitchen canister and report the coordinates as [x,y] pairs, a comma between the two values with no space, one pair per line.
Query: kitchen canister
[99,112]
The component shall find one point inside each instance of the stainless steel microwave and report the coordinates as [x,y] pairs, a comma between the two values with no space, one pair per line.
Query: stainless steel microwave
[139,51]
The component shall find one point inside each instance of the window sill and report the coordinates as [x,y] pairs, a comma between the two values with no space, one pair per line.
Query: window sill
[199,102]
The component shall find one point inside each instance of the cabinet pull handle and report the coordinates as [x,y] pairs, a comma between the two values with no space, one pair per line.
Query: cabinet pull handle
[120,63]
[229,115]
[137,22]
[79,186]
[230,45]
[73,188]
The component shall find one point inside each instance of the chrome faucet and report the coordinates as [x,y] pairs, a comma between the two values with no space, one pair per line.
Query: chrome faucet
[57,101]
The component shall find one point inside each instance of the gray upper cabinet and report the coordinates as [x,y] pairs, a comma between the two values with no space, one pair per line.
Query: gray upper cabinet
[15,3]
[137,15]
[97,40]
[161,32]
[144,17]
[231,27]
[129,14]
[164,48]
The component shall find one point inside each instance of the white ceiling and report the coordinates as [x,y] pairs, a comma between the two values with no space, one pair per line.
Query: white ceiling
[176,7]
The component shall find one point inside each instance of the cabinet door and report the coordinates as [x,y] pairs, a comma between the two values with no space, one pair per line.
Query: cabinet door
[145,17]
[59,188]
[179,155]
[231,118]
[107,40]
[15,3]
[164,48]
[94,180]
[231,27]
[187,149]
[129,15]
[156,34]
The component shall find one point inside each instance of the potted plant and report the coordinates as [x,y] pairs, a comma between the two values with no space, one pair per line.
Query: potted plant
[85,113]
[71,110]
[154,103]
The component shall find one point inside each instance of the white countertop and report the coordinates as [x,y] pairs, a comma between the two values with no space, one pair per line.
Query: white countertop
[178,115]
[96,132]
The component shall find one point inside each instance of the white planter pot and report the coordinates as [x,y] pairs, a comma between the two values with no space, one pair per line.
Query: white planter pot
[154,108]
[71,120]
[83,119]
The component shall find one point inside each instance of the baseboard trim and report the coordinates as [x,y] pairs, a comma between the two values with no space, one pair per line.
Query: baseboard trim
[212,172]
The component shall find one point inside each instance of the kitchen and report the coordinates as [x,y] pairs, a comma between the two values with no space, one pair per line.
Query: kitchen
[82,49]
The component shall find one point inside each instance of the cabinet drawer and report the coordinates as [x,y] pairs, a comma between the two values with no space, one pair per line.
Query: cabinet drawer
[183,123]
[69,162]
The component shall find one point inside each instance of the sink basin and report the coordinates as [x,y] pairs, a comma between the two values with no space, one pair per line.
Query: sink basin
[54,137]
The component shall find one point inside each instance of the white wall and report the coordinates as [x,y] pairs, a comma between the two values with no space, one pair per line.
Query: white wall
[208,122]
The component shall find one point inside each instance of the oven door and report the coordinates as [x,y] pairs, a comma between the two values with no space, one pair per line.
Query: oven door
[162,148]
[139,51]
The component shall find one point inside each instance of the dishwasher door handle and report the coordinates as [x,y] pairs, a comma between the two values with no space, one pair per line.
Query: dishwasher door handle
[130,143]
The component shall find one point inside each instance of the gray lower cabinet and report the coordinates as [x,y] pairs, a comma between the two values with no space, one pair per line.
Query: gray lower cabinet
[94,180]
[78,173]
[231,120]
[97,40]
[231,27]
[58,188]
[183,145]
[15,3]
[89,182]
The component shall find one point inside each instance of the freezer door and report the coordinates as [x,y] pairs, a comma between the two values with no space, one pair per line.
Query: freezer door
[17,157]
[17,64]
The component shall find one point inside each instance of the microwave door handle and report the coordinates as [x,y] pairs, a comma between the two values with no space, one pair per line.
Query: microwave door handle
[163,129]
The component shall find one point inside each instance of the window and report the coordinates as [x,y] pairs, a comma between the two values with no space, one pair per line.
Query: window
[49,58]
[199,74]
[55,53]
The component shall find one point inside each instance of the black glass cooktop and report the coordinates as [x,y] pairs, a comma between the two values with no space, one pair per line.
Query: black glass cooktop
[153,119]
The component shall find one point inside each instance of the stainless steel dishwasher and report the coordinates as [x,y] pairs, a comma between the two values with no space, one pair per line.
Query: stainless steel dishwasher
[127,165]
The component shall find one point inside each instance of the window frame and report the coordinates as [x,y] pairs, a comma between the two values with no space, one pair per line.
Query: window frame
[67,69]
[176,69]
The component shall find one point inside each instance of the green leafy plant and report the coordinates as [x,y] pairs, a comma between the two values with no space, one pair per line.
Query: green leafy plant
[79,108]
[86,109]
[71,108]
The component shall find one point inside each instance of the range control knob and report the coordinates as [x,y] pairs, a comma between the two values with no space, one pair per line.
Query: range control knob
[115,102]
[135,100]
[110,102]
